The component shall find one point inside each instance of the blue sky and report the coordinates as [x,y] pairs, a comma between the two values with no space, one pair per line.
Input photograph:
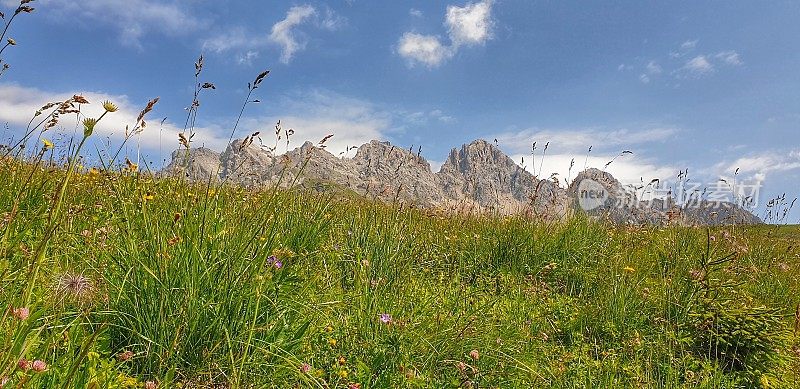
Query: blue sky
[708,86]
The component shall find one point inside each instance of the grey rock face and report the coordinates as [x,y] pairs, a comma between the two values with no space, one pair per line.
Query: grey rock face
[620,206]
[389,173]
[478,177]
[714,213]
[615,203]
[480,173]
[246,164]
[200,164]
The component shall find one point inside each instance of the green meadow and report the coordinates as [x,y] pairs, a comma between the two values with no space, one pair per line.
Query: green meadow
[117,278]
[113,276]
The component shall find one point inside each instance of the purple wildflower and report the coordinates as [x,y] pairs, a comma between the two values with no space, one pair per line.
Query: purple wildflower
[274,262]
[305,368]
[386,318]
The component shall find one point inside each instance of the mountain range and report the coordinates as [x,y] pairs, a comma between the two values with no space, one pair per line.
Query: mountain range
[477,177]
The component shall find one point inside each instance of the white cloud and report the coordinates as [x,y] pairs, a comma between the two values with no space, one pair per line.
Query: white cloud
[332,21]
[730,57]
[697,66]
[684,49]
[134,19]
[312,114]
[628,169]
[566,145]
[653,67]
[283,34]
[466,26]
[471,24]
[689,45]
[415,13]
[761,164]
[425,49]
[248,57]
[578,141]
[644,78]
[18,104]
[233,38]
[422,117]
[317,113]
[441,116]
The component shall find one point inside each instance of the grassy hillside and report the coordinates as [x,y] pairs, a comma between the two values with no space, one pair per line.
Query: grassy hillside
[130,281]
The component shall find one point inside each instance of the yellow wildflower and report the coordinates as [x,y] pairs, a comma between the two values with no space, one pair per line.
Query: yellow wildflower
[88,126]
[47,144]
[109,106]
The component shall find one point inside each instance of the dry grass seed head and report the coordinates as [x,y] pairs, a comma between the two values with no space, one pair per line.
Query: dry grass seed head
[75,287]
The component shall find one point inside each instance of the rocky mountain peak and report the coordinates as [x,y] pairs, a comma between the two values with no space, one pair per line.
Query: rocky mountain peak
[475,177]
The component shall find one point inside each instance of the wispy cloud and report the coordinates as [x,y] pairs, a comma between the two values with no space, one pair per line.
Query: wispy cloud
[653,67]
[684,49]
[424,117]
[689,45]
[628,169]
[687,62]
[469,25]
[564,145]
[651,70]
[285,34]
[761,164]
[18,104]
[132,19]
[313,114]
[579,140]
[233,38]
[730,57]
[424,49]
[697,66]
[248,57]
